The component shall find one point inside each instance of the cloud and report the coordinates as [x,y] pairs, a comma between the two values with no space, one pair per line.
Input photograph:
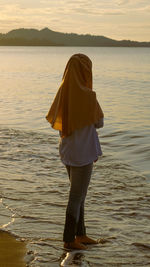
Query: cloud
[67,7]
[80,16]
[132,4]
[146,8]
[96,12]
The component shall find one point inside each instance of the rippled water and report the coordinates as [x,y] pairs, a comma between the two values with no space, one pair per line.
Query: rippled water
[33,182]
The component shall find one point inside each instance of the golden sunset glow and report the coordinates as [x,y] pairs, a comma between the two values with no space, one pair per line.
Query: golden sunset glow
[117,19]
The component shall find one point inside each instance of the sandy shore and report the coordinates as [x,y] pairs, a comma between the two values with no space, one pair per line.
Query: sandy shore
[12,251]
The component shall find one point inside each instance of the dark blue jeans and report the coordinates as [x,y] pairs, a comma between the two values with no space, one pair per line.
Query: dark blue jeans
[79,181]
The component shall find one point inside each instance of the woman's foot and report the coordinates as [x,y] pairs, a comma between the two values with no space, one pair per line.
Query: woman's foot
[86,240]
[74,245]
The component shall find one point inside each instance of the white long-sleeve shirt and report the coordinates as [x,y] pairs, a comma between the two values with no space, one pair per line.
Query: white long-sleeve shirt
[82,147]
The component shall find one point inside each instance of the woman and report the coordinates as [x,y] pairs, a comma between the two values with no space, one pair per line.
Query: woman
[75,113]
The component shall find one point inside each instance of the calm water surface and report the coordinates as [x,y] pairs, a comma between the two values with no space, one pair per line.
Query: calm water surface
[33,182]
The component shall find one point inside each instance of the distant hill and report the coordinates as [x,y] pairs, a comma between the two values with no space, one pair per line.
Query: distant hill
[47,37]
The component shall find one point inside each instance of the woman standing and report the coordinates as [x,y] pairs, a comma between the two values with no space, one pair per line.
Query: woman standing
[75,113]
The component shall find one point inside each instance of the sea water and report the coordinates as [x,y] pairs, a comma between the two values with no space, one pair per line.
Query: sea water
[33,182]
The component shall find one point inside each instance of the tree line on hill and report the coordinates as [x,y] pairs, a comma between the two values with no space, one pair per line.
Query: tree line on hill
[47,37]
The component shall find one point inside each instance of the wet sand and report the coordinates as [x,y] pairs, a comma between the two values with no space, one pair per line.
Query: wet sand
[12,251]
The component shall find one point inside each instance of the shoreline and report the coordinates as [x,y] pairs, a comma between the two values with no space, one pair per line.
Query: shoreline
[12,250]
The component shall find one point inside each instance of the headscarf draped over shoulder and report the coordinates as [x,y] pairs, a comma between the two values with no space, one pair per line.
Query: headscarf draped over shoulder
[75,104]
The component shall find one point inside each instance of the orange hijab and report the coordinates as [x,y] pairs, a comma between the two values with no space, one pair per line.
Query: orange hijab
[75,104]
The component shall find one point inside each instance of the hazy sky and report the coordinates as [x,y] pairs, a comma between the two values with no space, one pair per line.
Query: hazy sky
[118,19]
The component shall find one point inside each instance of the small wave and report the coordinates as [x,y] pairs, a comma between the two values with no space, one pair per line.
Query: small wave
[113,134]
[8,224]
[141,245]
[7,215]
